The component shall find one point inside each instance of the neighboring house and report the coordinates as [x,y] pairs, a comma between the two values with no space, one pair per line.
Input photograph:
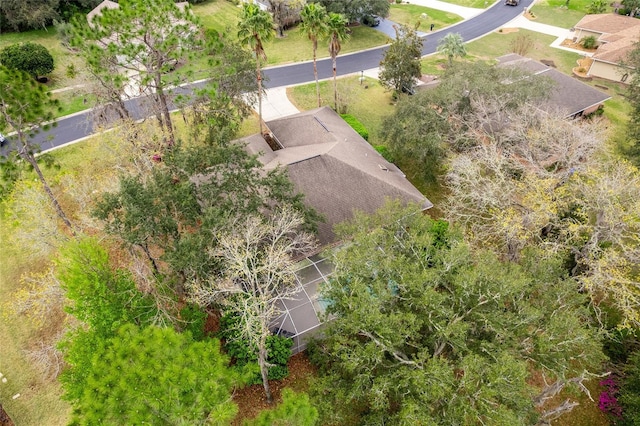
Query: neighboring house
[615,36]
[569,95]
[339,173]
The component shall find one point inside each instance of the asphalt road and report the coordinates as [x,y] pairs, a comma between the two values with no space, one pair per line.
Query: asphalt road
[78,126]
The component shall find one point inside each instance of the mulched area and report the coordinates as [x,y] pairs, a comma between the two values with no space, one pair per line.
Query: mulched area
[5,420]
[251,399]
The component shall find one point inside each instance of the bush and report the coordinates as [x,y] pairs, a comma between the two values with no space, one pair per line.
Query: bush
[384,151]
[32,58]
[194,319]
[589,42]
[356,125]
[278,349]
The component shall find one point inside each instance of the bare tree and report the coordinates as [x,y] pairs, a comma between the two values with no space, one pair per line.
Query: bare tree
[257,259]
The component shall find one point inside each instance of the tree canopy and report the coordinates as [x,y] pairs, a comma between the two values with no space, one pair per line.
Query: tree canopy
[355,10]
[426,330]
[400,65]
[156,376]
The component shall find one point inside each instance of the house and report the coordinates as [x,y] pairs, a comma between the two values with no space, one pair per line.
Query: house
[335,168]
[615,36]
[569,95]
[339,173]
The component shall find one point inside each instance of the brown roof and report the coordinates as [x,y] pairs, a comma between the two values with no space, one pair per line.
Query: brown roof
[568,94]
[607,23]
[337,171]
[618,35]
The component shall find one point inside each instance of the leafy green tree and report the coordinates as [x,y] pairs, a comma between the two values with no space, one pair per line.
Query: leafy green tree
[255,27]
[314,25]
[452,45]
[629,392]
[337,30]
[171,214]
[32,58]
[103,300]
[27,14]
[100,297]
[355,10]
[26,107]
[218,110]
[400,65]
[295,410]
[155,376]
[147,38]
[426,330]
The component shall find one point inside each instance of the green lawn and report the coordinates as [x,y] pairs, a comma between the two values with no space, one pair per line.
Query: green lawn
[410,14]
[480,4]
[556,12]
[497,44]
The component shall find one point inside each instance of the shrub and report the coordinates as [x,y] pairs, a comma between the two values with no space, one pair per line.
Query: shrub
[384,151]
[194,319]
[278,348]
[589,42]
[356,125]
[32,58]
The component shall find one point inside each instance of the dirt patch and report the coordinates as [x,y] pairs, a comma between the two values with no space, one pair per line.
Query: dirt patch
[583,67]
[5,420]
[251,399]
[508,30]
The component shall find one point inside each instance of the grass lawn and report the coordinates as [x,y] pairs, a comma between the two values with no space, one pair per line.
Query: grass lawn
[556,12]
[480,4]
[497,44]
[410,14]
[369,102]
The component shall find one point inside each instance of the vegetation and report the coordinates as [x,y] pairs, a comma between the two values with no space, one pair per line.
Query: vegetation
[433,330]
[356,10]
[356,125]
[254,27]
[314,25]
[32,58]
[411,14]
[400,65]
[452,45]
[562,13]
[337,31]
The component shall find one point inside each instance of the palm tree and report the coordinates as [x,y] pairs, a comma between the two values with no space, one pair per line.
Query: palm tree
[452,45]
[314,24]
[254,27]
[337,30]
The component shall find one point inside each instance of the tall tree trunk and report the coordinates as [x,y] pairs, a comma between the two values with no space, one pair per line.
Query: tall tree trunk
[315,69]
[32,160]
[264,368]
[162,97]
[259,78]
[335,85]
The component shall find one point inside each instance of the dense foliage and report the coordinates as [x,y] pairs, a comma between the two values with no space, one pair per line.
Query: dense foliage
[356,10]
[32,58]
[426,330]
[155,376]
[238,348]
[356,125]
[400,65]
[20,15]
[295,410]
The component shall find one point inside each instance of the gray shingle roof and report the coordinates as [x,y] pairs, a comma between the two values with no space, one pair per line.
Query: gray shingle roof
[568,94]
[336,170]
